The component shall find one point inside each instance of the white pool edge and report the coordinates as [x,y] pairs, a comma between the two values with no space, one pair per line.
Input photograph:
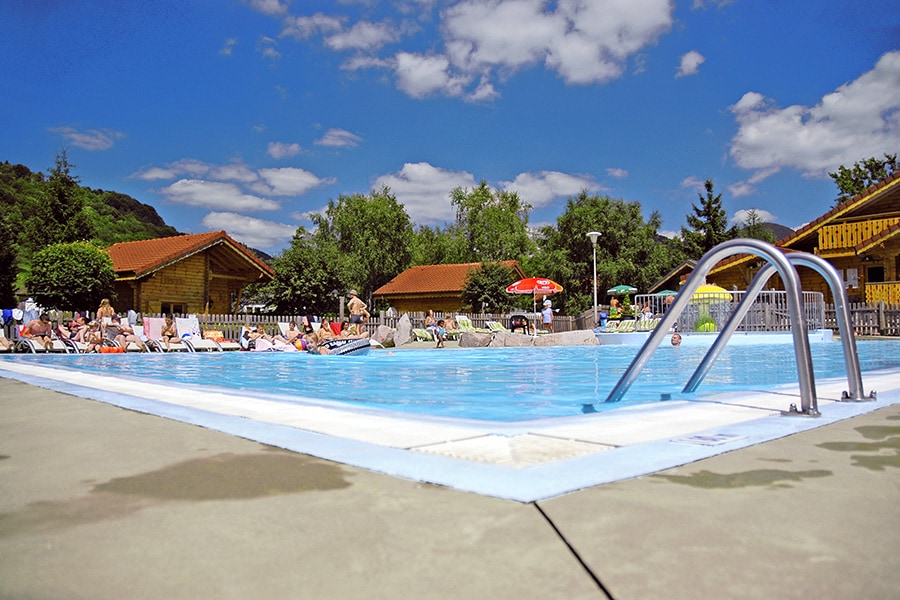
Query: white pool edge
[388,444]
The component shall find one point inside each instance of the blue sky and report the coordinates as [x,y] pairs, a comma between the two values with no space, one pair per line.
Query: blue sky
[249,115]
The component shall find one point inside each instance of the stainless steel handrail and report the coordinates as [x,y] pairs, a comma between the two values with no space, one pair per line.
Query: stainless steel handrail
[842,312]
[791,280]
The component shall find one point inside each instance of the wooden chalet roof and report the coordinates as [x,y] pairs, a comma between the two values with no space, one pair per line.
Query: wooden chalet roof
[435,279]
[134,260]
[885,194]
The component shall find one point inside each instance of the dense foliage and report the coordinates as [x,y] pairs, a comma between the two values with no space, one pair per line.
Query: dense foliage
[862,175]
[70,276]
[37,210]
[486,288]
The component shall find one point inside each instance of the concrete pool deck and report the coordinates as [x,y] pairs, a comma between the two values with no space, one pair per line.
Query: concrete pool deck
[99,502]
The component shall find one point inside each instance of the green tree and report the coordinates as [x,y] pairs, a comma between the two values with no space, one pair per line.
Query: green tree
[862,175]
[373,235]
[707,225]
[305,277]
[72,276]
[485,289]
[629,250]
[58,216]
[491,225]
[754,227]
[8,266]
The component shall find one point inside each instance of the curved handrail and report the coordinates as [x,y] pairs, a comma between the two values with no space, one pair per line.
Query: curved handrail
[788,274]
[842,312]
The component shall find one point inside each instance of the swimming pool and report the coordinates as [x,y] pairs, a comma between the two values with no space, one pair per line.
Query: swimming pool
[489,384]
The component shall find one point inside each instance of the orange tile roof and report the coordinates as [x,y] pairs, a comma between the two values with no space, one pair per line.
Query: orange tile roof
[435,279]
[141,258]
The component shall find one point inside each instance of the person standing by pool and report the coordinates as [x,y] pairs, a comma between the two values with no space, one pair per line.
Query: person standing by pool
[358,312]
[547,316]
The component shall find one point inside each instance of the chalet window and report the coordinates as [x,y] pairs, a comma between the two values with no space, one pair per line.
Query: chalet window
[875,274]
[171,308]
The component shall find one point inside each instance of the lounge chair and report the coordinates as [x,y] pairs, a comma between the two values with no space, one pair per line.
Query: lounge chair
[189,331]
[497,327]
[466,326]
[31,346]
[646,324]
[626,326]
[422,335]
[153,327]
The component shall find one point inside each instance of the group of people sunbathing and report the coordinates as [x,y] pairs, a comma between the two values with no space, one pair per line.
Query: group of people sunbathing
[294,338]
[94,334]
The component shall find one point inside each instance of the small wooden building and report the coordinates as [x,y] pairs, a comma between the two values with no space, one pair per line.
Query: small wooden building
[195,273]
[860,238]
[434,287]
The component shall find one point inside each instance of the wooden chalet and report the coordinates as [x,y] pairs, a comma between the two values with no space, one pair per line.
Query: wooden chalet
[195,273]
[860,238]
[434,287]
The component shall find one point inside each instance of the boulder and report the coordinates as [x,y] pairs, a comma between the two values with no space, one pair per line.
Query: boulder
[503,339]
[403,334]
[384,335]
[469,339]
[580,337]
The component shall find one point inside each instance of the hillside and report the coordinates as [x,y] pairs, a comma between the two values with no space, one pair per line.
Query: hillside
[112,217]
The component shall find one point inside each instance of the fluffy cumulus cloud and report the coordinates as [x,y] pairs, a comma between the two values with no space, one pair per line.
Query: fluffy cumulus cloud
[256,233]
[278,150]
[289,181]
[273,8]
[339,138]
[92,139]
[617,172]
[424,190]
[539,189]
[215,194]
[740,216]
[859,119]
[486,41]
[690,63]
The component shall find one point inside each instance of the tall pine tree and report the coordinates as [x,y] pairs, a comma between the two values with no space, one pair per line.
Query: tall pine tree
[707,225]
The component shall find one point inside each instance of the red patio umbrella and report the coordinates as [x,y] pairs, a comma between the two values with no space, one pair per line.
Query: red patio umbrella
[535,286]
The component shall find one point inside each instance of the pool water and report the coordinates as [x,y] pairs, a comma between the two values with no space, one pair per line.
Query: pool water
[493,384]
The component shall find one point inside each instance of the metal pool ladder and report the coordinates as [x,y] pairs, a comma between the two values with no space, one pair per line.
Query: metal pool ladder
[784,265]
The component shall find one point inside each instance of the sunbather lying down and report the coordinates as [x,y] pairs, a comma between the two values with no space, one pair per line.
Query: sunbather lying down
[6,344]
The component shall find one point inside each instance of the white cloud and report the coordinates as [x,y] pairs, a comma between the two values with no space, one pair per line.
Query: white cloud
[92,139]
[288,181]
[217,195]
[690,63]
[272,8]
[692,183]
[424,191]
[363,36]
[228,48]
[539,189]
[188,166]
[617,173]
[339,138]
[419,75]
[301,28]
[233,172]
[279,150]
[859,119]
[740,216]
[256,233]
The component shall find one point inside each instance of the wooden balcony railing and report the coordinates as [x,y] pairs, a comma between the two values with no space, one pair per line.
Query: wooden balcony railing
[887,292]
[848,235]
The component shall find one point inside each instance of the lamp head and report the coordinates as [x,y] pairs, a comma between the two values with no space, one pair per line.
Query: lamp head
[594,235]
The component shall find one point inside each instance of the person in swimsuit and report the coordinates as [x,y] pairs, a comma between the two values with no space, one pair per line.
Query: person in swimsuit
[169,332]
[358,312]
[40,330]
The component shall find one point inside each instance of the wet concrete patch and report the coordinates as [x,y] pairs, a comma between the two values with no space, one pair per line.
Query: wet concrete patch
[232,477]
[880,454]
[755,478]
[220,477]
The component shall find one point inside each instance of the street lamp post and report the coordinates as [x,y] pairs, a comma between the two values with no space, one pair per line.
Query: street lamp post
[594,235]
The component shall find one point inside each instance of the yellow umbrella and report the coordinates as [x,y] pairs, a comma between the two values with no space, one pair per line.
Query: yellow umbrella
[710,293]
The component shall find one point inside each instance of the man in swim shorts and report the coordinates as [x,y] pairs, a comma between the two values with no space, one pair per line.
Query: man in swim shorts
[358,312]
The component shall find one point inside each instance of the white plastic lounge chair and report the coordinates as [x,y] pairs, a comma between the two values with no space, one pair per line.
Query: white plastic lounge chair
[189,331]
[153,327]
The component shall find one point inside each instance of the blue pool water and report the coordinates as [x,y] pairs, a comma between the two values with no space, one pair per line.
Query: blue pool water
[495,384]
